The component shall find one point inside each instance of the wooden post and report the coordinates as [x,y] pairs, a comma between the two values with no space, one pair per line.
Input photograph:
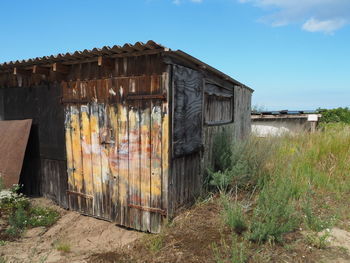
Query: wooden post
[41,70]
[61,68]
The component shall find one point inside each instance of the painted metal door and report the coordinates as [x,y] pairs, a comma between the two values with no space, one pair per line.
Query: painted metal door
[117,158]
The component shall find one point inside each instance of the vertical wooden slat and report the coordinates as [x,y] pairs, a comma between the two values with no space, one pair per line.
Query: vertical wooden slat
[156,165]
[145,162]
[113,164]
[87,155]
[96,159]
[165,155]
[134,164]
[105,144]
[123,152]
[76,150]
[72,200]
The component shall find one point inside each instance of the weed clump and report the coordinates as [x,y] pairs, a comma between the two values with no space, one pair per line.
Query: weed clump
[274,214]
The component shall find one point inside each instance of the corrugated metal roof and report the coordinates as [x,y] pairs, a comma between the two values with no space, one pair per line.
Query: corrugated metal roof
[85,54]
[77,56]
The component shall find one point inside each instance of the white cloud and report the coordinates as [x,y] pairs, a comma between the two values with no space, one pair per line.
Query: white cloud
[326,26]
[324,16]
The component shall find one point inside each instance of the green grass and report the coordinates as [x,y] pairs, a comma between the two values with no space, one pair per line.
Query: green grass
[63,247]
[236,252]
[288,180]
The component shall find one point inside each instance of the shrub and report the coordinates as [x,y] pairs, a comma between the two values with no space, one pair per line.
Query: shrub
[274,214]
[335,115]
[233,215]
[239,163]
[39,216]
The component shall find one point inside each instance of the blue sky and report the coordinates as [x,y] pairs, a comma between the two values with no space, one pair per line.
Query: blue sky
[294,54]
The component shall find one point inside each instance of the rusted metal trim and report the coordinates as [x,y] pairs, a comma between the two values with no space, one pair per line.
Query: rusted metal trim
[146,97]
[80,194]
[149,209]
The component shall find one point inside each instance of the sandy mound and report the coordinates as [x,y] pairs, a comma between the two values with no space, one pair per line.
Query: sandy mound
[82,234]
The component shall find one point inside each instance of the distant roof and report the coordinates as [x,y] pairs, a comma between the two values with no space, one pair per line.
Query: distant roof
[115,51]
[284,114]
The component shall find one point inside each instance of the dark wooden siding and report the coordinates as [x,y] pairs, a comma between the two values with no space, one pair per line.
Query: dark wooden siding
[185,182]
[46,141]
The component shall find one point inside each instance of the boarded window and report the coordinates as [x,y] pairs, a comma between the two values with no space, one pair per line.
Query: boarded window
[218,104]
[218,110]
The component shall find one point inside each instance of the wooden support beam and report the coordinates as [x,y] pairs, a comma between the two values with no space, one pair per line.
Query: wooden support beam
[105,62]
[41,70]
[20,71]
[61,68]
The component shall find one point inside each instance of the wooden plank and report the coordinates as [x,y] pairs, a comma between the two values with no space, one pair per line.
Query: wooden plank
[96,159]
[165,155]
[105,171]
[76,151]
[156,164]
[113,164]
[145,163]
[59,67]
[87,156]
[134,165]
[40,70]
[123,155]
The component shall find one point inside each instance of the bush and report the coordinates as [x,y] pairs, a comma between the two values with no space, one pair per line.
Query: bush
[240,163]
[40,216]
[274,214]
[335,115]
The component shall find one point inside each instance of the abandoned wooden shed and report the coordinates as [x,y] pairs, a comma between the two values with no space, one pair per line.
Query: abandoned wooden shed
[121,133]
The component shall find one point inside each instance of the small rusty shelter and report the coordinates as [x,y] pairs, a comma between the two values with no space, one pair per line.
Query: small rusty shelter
[121,133]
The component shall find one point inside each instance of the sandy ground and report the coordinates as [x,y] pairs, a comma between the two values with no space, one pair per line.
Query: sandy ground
[82,234]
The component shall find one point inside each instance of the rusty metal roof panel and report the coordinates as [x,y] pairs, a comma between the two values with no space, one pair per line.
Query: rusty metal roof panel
[106,50]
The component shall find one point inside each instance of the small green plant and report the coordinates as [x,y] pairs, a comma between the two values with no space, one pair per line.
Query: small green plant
[2,259]
[319,240]
[3,243]
[233,215]
[18,222]
[155,243]
[274,214]
[40,216]
[236,253]
[63,247]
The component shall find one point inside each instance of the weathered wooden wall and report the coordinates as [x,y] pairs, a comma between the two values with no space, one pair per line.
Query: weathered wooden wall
[187,110]
[46,141]
[117,142]
[242,112]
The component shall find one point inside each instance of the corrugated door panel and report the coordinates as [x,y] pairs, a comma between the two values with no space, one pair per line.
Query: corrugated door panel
[123,151]
[113,163]
[156,164]
[86,147]
[96,159]
[145,163]
[72,199]
[77,157]
[105,171]
[134,165]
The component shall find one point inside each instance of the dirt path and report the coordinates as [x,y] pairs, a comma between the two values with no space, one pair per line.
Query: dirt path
[82,235]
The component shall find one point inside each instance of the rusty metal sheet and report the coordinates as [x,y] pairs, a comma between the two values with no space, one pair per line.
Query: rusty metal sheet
[13,142]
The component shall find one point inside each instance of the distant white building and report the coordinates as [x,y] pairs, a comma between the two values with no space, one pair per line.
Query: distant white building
[277,123]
